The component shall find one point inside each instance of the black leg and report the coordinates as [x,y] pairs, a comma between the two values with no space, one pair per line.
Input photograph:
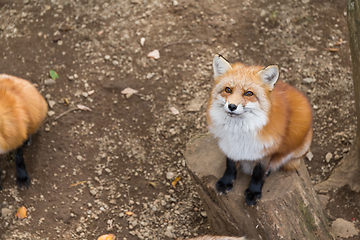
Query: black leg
[253,193]
[22,178]
[225,183]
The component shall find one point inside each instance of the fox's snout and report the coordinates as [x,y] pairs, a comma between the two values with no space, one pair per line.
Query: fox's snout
[232,107]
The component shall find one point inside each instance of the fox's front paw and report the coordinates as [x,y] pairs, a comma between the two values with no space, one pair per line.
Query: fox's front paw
[223,185]
[251,197]
[23,181]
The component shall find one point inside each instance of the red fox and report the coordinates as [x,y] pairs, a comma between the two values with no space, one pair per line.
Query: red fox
[22,111]
[263,123]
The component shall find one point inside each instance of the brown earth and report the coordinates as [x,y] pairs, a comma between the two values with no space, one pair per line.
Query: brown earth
[126,152]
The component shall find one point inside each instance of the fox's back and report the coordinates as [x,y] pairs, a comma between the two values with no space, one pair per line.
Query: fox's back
[22,111]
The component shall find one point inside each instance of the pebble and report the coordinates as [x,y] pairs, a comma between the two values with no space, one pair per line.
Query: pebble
[170,175]
[107,57]
[6,212]
[309,156]
[309,80]
[115,62]
[50,113]
[49,82]
[51,103]
[328,157]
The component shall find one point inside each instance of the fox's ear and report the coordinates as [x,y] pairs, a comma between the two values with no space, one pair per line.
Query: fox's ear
[269,75]
[220,65]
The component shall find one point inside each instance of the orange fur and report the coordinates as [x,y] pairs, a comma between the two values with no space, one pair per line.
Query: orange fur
[22,111]
[288,114]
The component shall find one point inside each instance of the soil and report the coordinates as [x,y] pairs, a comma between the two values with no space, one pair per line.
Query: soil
[110,170]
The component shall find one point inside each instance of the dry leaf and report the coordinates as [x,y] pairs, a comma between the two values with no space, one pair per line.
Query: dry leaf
[129,213]
[82,107]
[129,92]
[340,42]
[21,212]
[332,49]
[107,237]
[154,54]
[174,110]
[153,184]
[175,181]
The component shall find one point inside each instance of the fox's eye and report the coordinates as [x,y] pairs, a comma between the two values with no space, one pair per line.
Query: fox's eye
[228,90]
[248,93]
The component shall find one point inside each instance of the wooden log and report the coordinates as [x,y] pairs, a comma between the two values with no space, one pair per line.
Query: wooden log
[288,209]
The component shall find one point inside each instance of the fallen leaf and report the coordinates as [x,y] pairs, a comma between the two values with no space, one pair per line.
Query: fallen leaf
[175,181]
[78,183]
[154,54]
[129,92]
[174,110]
[332,49]
[53,74]
[340,42]
[66,101]
[153,184]
[82,107]
[129,213]
[107,237]
[21,212]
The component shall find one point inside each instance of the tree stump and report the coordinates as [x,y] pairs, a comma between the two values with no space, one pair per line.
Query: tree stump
[288,209]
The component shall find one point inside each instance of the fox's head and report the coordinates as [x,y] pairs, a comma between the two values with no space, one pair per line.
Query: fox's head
[241,93]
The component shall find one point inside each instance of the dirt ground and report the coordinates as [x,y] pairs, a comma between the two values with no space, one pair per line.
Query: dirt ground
[110,170]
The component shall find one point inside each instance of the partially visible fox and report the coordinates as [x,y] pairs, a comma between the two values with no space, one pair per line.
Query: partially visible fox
[22,111]
[263,123]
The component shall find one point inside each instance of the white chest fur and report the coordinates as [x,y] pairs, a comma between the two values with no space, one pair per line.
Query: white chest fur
[238,136]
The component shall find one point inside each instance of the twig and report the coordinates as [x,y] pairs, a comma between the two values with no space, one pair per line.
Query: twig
[66,112]
[181,42]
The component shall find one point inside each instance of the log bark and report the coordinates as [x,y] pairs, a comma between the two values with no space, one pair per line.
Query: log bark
[288,209]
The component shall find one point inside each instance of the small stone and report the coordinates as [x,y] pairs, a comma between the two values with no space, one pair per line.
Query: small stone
[107,57]
[203,213]
[60,42]
[175,3]
[170,175]
[315,107]
[85,94]
[309,156]
[50,113]
[142,41]
[5,212]
[108,170]
[51,103]
[309,80]
[49,82]
[93,192]
[328,157]
[342,228]
[115,62]
[47,96]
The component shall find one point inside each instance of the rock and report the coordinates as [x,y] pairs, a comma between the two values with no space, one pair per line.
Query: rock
[142,41]
[195,105]
[50,113]
[49,82]
[154,54]
[328,157]
[5,212]
[309,156]
[51,103]
[107,57]
[170,175]
[309,80]
[342,228]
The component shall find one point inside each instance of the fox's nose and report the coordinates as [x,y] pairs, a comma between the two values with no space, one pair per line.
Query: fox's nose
[232,107]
